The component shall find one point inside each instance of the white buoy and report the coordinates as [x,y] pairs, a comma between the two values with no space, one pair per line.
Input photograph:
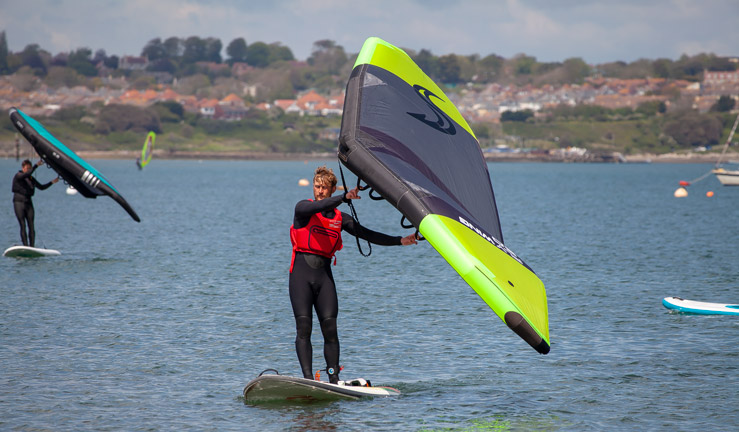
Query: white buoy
[303,182]
[71,190]
[681,192]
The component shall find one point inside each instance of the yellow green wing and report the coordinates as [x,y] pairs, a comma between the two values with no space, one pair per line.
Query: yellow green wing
[407,140]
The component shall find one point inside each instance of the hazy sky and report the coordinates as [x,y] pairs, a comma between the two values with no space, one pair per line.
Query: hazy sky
[597,31]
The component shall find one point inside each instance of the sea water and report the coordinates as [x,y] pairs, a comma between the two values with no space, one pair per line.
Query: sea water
[158,325]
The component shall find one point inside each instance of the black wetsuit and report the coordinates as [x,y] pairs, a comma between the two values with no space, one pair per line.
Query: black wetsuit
[23,189]
[312,286]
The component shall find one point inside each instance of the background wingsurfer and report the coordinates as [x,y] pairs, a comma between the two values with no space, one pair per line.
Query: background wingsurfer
[316,237]
[24,185]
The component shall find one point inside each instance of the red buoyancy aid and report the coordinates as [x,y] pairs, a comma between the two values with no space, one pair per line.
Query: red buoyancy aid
[321,236]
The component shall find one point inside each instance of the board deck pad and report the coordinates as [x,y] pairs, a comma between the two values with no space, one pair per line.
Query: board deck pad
[283,388]
[29,252]
[696,307]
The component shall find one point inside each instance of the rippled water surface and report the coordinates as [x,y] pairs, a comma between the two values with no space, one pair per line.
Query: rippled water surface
[159,325]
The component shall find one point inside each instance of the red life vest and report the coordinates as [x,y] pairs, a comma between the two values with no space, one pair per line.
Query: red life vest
[321,236]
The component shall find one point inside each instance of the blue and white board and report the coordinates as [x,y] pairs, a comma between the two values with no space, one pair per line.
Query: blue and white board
[29,252]
[695,307]
[283,388]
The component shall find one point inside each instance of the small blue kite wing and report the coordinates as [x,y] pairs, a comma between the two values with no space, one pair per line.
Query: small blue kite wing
[72,168]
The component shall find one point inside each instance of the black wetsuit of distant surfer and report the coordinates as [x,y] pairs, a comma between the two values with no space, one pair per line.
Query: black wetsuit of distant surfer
[312,282]
[24,185]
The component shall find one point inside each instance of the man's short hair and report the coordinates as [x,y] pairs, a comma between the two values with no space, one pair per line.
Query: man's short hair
[325,175]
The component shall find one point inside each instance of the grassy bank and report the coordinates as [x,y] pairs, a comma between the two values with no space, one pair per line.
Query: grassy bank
[260,137]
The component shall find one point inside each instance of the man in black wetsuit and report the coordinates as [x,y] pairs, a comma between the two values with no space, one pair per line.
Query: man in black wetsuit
[316,236]
[24,185]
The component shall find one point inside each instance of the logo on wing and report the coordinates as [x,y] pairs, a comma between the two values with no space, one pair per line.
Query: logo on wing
[442,123]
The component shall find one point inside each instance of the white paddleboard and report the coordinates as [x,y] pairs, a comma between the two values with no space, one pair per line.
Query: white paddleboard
[696,307]
[29,252]
[283,388]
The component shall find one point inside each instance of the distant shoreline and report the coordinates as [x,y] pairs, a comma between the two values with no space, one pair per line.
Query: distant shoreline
[612,158]
[490,157]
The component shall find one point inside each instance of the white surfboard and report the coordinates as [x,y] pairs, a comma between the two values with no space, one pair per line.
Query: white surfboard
[283,388]
[29,252]
[696,307]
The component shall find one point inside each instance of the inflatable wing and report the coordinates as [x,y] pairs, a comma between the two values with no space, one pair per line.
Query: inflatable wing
[148,150]
[73,169]
[404,138]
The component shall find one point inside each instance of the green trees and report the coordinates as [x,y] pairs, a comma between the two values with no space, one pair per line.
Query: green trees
[449,69]
[651,108]
[490,68]
[169,111]
[691,129]
[686,67]
[62,77]
[327,57]
[575,70]
[278,53]
[32,56]
[81,62]
[427,62]
[195,50]
[173,47]
[516,116]
[183,51]
[236,51]
[213,48]
[261,55]
[3,54]
[178,57]
[257,54]
[154,50]
[523,64]
[121,118]
[725,103]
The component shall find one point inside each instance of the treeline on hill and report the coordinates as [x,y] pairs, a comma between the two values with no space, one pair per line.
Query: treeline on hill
[650,127]
[329,63]
[124,127]
[276,75]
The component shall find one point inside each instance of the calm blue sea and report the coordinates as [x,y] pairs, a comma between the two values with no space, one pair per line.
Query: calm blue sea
[158,325]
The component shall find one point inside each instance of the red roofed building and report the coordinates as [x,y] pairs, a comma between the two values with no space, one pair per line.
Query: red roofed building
[231,107]
[309,102]
[170,95]
[264,106]
[238,69]
[133,63]
[212,66]
[207,107]
[288,105]
[720,77]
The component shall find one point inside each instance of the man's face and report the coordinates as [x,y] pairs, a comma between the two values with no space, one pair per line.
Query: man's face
[26,167]
[322,190]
